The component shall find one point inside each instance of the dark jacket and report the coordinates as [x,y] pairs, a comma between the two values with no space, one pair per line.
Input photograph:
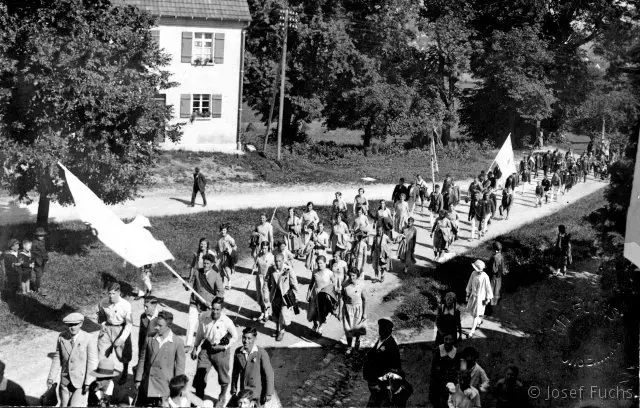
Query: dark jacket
[380,360]
[199,181]
[546,184]
[253,372]
[39,252]
[147,329]
[496,265]
[437,202]
[13,395]
[399,189]
[158,365]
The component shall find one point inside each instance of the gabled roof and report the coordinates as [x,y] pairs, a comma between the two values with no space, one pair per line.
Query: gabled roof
[231,10]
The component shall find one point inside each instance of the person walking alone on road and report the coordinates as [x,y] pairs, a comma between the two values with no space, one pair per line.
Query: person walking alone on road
[199,184]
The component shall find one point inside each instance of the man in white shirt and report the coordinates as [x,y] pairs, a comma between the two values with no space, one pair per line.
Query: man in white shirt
[216,333]
[115,335]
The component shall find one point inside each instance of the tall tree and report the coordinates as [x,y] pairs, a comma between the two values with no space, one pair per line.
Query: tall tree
[517,90]
[447,39]
[77,85]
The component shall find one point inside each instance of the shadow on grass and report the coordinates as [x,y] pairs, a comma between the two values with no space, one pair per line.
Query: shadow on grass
[70,238]
[31,310]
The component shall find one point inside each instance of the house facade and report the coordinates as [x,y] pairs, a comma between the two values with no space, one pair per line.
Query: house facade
[205,39]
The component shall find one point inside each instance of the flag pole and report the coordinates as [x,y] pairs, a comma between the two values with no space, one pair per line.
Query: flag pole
[253,269]
[433,176]
[184,282]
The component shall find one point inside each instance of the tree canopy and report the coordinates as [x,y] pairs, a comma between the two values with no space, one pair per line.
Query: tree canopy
[77,85]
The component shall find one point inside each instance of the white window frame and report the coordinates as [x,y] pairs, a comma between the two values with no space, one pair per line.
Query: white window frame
[203,48]
[201,103]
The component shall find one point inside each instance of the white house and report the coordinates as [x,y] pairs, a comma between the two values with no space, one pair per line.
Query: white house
[205,39]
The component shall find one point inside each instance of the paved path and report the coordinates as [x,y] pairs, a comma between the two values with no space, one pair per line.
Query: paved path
[306,365]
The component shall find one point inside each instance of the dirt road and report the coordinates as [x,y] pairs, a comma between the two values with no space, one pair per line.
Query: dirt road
[301,355]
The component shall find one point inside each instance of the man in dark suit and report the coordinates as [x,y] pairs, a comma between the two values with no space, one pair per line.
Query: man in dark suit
[148,321]
[383,357]
[199,183]
[162,359]
[252,368]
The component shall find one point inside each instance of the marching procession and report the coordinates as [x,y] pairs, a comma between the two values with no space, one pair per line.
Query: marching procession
[334,252]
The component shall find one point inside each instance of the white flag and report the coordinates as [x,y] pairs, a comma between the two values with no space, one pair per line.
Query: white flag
[505,161]
[632,238]
[131,241]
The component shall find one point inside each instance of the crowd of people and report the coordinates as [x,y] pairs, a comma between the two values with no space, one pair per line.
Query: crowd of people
[334,252]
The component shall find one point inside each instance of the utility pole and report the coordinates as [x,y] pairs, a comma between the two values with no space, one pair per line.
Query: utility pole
[287,18]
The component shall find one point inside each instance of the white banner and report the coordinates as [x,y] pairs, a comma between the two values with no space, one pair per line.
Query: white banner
[632,238]
[131,241]
[505,160]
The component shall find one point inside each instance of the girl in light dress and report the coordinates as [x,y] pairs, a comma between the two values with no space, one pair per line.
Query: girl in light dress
[294,233]
[360,201]
[339,234]
[361,222]
[414,196]
[227,255]
[309,219]
[442,234]
[262,233]
[320,295]
[384,220]
[317,246]
[407,247]
[401,214]
[353,309]
[264,261]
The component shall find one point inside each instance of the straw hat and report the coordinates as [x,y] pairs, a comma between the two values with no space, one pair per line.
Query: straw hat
[106,369]
[478,265]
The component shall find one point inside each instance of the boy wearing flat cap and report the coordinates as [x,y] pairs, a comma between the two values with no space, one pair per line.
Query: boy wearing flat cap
[383,357]
[76,356]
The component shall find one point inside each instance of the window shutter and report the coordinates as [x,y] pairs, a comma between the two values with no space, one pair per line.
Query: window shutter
[187,40]
[155,36]
[216,106]
[218,50]
[185,106]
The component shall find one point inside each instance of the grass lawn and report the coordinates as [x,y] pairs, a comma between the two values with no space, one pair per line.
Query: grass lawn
[312,163]
[534,302]
[79,265]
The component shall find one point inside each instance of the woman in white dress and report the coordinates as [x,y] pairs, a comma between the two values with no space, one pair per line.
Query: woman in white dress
[385,220]
[401,214]
[479,294]
[321,290]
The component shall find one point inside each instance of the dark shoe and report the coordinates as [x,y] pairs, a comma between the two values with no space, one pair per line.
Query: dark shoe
[280,335]
[191,205]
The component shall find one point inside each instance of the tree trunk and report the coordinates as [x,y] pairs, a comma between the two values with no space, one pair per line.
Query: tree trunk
[43,211]
[445,136]
[536,137]
[366,138]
